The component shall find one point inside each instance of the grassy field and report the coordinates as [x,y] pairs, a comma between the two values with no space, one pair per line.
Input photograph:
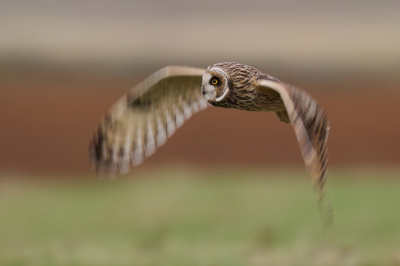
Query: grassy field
[201,218]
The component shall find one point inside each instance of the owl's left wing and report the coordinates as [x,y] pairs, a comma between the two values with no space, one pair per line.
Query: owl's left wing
[311,127]
[145,117]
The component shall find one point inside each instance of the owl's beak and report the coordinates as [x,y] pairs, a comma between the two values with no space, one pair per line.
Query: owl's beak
[209,92]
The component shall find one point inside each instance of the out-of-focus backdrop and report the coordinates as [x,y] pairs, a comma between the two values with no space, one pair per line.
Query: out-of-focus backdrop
[229,187]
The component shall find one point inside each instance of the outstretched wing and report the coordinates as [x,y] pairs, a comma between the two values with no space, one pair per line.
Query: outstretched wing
[311,126]
[145,117]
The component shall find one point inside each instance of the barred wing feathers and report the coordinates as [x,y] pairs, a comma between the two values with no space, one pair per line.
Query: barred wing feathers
[142,120]
[311,127]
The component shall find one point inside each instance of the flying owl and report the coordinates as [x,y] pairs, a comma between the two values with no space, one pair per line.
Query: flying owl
[143,119]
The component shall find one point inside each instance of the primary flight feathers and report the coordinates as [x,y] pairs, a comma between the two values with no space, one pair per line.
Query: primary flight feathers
[143,119]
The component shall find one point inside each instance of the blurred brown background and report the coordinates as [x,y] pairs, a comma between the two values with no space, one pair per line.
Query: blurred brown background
[64,63]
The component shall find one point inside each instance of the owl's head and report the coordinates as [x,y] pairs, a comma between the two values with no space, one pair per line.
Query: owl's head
[215,85]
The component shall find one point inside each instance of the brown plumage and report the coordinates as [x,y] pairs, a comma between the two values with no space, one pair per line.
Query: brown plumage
[149,113]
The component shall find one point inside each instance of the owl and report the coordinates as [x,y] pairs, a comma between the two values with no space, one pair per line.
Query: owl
[143,119]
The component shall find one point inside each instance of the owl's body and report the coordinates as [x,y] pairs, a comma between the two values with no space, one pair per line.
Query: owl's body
[244,96]
[148,114]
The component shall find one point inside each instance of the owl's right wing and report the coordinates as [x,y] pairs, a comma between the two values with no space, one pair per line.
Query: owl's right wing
[311,127]
[145,117]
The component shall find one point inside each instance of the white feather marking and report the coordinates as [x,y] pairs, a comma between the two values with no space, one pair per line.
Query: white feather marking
[223,95]
[202,103]
[137,153]
[187,111]
[179,119]
[195,107]
[161,133]
[312,109]
[170,124]
[306,101]
[150,142]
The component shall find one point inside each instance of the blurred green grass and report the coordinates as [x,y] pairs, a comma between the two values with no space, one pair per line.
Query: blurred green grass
[192,217]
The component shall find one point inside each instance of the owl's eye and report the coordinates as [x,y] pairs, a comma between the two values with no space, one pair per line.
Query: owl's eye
[214,81]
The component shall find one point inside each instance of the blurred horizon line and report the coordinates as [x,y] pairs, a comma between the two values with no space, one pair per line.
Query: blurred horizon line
[139,70]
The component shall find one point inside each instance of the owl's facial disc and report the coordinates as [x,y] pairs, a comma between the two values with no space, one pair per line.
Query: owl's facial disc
[215,85]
